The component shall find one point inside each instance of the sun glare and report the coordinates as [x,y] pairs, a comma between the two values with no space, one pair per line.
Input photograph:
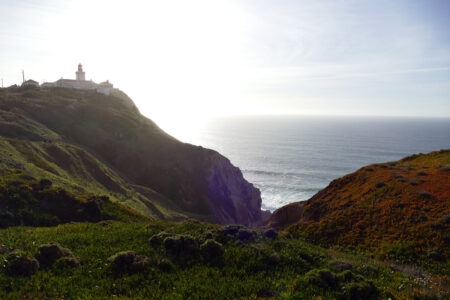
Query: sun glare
[182,62]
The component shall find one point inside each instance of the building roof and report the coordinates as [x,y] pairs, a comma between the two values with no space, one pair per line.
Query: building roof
[73,80]
[30,81]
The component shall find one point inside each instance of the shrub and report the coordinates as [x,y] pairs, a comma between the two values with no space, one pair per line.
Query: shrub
[181,245]
[231,229]
[402,251]
[361,290]
[166,265]
[271,233]
[436,255]
[158,239]
[49,253]
[67,262]
[245,234]
[345,276]
[20,265]
[425,194]
[128,262]
[45,183]
[320,277]
[341,266]
[380,184]
[211,250]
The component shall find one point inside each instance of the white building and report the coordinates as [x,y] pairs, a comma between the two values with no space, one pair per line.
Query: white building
[81,83]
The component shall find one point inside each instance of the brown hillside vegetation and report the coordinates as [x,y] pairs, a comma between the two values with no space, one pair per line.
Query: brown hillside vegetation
[400,208]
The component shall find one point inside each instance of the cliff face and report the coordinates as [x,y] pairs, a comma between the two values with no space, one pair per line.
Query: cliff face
[194,181]
[231,198]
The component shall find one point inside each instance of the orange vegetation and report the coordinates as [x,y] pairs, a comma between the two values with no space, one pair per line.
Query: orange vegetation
[405,202]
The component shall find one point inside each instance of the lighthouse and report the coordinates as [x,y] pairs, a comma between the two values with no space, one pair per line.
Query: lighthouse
[80,73]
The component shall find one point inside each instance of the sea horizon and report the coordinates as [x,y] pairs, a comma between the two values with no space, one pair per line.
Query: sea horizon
[292,157]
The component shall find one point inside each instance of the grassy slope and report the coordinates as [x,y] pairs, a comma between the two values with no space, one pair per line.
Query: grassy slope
[77,171]
[396,210]
[34,149]
[27,201]
[244,272]
[112,129]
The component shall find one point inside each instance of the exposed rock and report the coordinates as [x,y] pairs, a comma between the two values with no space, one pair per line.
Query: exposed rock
[287,215]
[232,199]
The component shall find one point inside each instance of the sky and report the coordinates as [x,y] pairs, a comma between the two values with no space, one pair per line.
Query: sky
[185,61]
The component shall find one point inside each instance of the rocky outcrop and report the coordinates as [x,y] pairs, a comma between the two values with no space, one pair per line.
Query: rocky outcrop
[232,199]
[287,215]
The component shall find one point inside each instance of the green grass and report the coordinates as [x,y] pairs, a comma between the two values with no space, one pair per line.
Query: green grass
[246,270]
[77,171]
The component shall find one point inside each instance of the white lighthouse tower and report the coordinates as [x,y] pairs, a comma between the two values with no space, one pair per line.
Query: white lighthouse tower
[80,73]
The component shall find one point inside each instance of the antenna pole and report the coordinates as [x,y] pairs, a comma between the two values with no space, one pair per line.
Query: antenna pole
[23,76]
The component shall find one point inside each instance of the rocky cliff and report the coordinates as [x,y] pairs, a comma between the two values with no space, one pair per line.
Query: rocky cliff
[233,200]
[159,173]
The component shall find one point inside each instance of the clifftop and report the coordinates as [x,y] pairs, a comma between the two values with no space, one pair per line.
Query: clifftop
[87,140]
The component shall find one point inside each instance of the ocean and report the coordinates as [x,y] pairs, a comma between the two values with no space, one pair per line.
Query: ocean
[291,158]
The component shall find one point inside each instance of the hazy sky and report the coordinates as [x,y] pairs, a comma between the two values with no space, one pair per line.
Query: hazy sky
[183,60]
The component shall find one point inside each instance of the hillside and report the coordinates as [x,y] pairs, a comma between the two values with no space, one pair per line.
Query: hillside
[398,210]
[97,202]
[87,142]
[190,260]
